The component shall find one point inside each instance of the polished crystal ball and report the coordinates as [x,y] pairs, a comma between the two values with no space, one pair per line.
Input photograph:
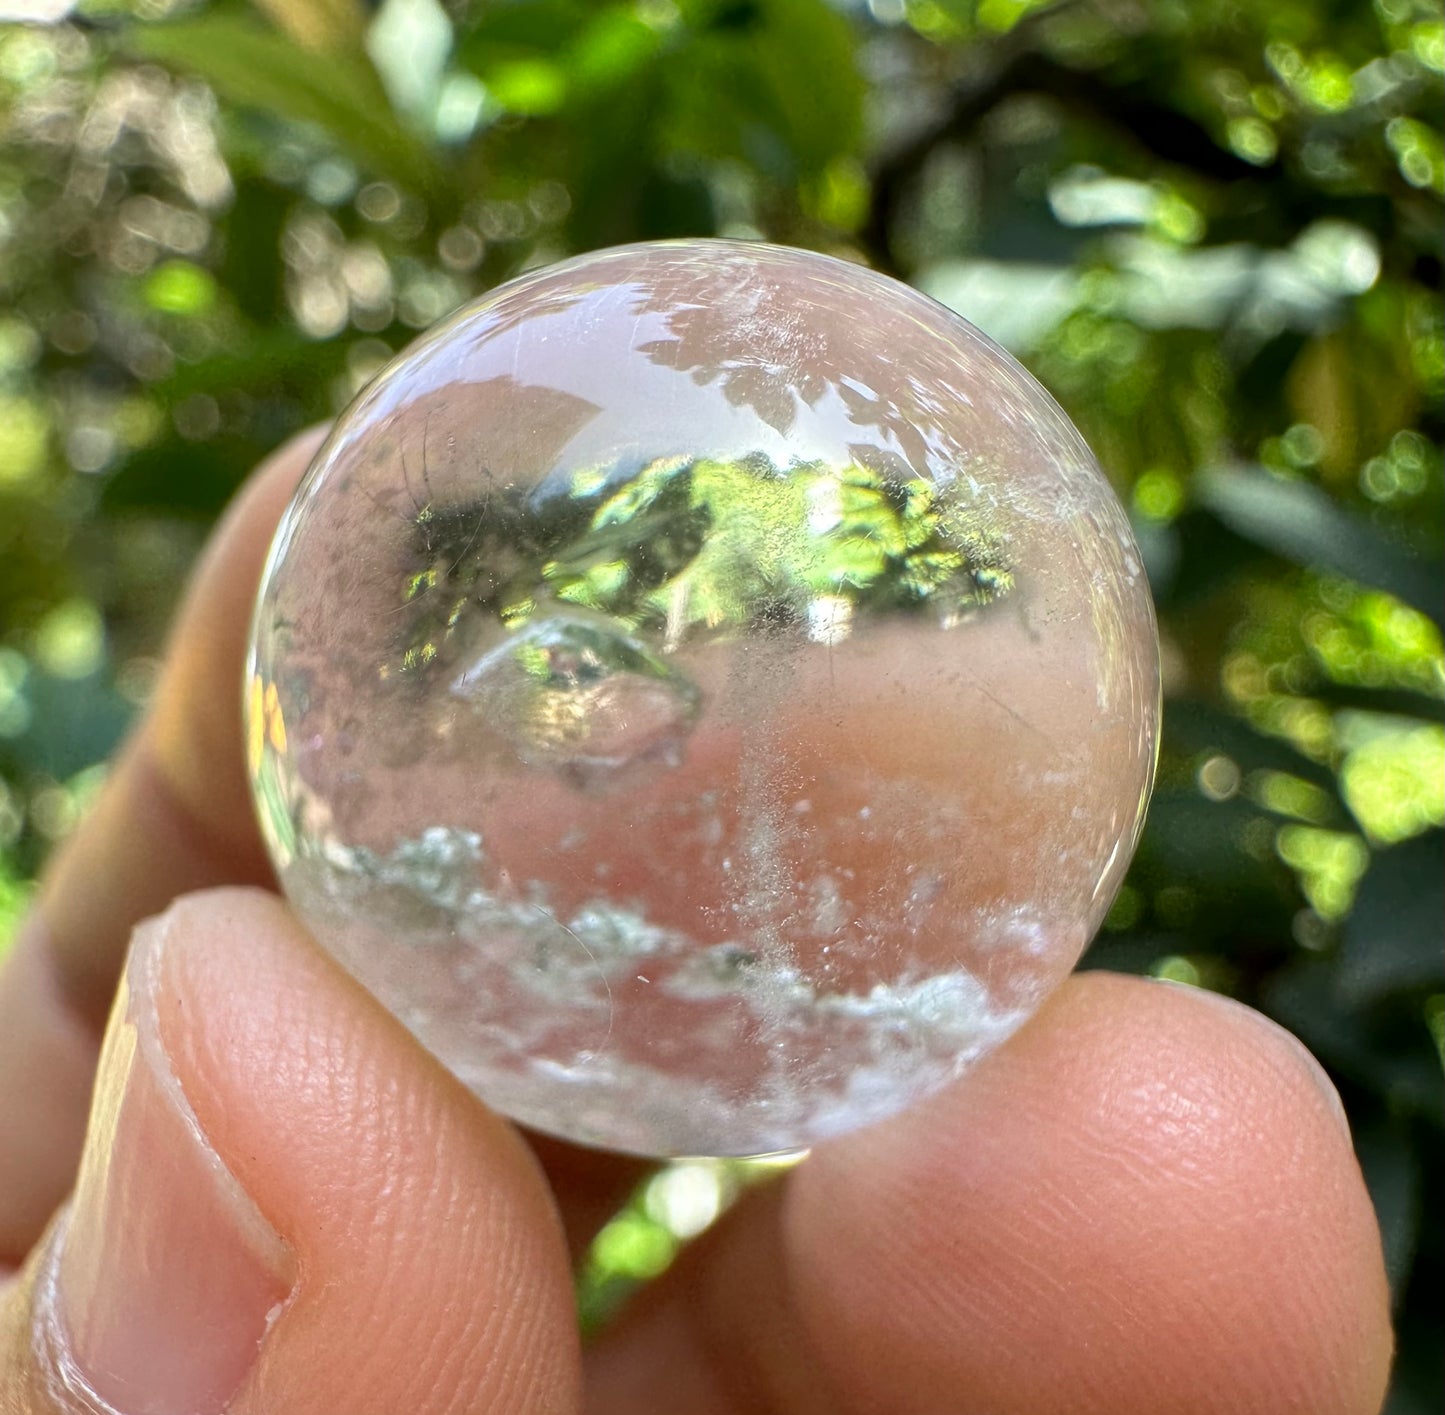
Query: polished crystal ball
[708,692]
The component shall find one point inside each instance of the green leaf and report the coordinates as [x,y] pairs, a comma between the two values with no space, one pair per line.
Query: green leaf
[1244,897]
[1385,1048]
[252,270]
[528,87]
[1392,1174]
[258,68]
[73,724]
[781,92]
[179,287]
[1392,940]
[1193,728]
[1398,702]
[318,24]
[822,114]
[610,50]
[1302,524]
[510,27]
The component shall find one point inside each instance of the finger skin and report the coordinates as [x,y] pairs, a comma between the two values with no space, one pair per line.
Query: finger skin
[430,1272]
[1145,1202]
[175,816]
[47,1056]
[434,1276]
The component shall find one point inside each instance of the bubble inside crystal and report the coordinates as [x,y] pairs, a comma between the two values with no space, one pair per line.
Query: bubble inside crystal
[708,692]
[583,696]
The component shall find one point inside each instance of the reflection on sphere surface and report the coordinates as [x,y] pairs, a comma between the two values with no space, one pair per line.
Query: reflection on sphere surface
[708,692]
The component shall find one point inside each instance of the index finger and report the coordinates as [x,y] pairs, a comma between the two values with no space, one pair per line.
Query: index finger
[174,816]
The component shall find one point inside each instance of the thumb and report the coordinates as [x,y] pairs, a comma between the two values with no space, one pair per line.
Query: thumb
[285,1205]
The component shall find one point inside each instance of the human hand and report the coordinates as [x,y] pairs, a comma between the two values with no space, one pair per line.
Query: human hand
[1146,1201]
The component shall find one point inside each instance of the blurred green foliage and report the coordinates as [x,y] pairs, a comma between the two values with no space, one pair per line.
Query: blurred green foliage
[1213,229]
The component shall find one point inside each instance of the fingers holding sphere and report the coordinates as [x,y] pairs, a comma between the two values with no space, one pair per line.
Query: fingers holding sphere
[285,1204]
[174,816]
[1146,1201]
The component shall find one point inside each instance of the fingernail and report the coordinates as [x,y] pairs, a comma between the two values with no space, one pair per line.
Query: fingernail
[1285,1040]
[166,1277]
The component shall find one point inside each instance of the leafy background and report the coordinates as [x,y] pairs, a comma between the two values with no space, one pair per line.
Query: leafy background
[1213,229]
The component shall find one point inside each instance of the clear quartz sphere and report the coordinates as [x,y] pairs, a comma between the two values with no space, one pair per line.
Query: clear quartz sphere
[708,692]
